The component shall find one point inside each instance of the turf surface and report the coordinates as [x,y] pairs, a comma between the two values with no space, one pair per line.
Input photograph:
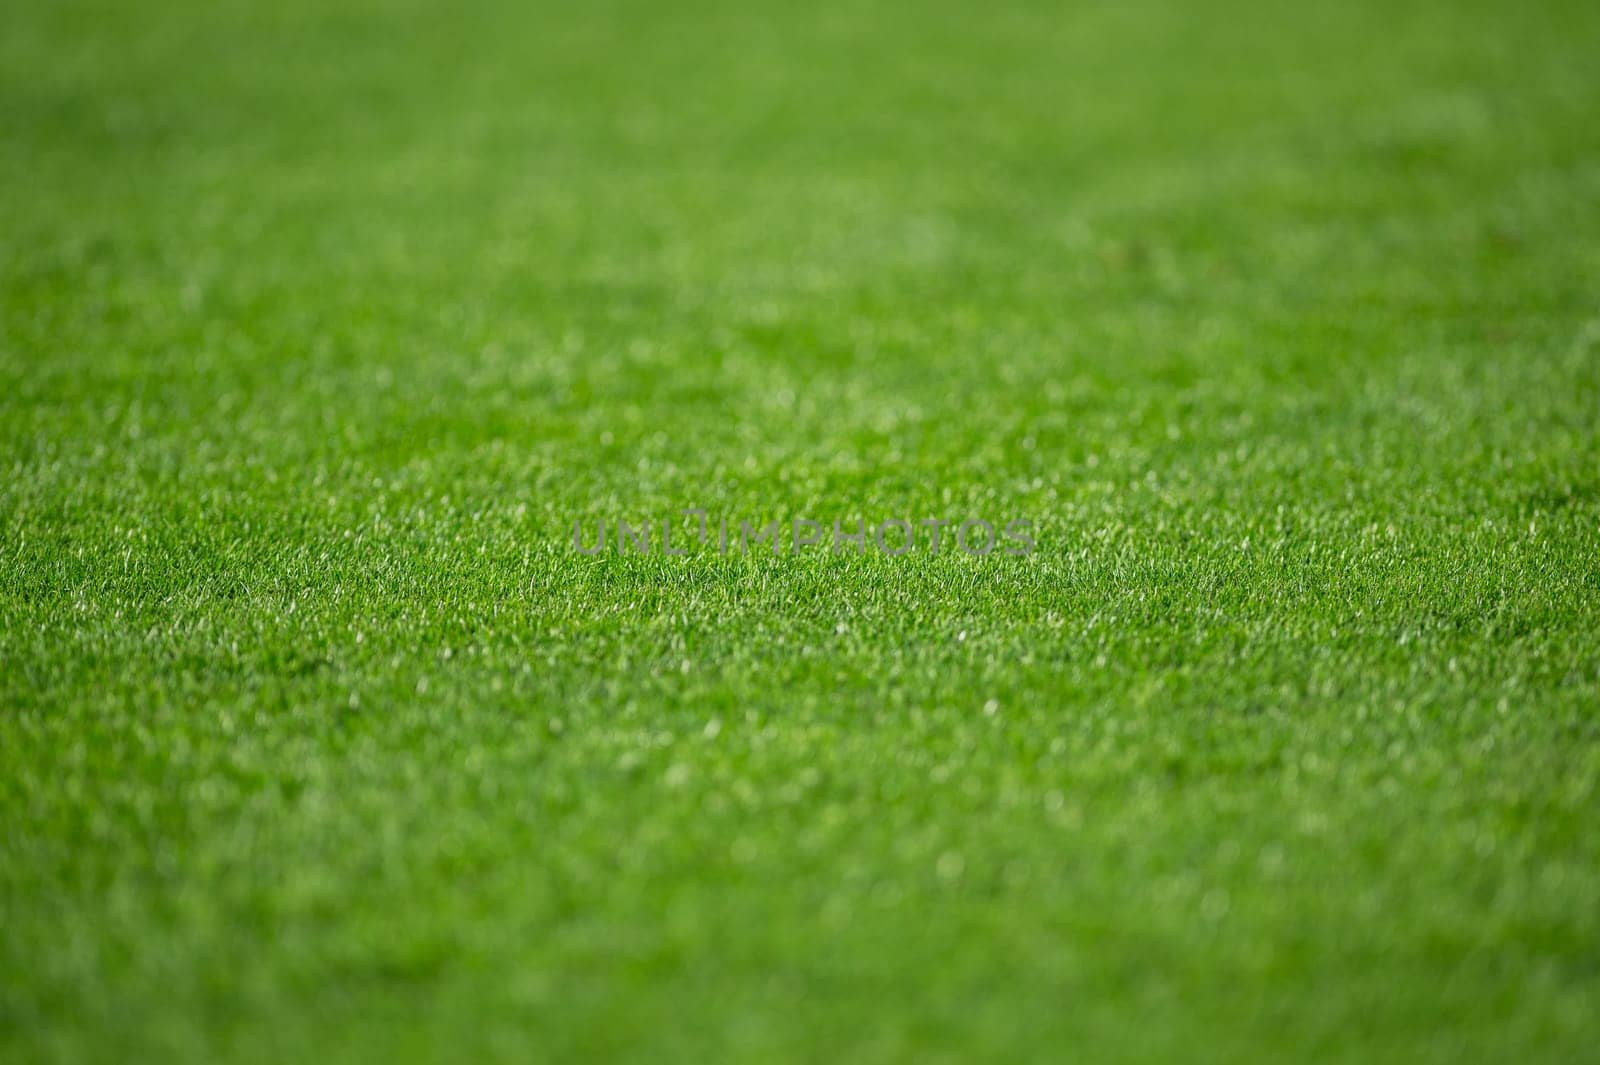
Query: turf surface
[321,324]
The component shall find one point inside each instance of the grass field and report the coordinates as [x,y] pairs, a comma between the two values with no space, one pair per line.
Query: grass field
[322,324]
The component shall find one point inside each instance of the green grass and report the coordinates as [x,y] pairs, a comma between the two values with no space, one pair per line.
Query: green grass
[321,324]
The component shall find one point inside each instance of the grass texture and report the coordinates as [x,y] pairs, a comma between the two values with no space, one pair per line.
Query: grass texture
[322,323]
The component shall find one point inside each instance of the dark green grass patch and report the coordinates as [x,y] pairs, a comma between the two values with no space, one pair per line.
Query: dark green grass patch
[321,324]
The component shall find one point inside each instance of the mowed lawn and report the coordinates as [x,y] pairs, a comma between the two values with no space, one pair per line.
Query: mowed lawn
[322,323]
